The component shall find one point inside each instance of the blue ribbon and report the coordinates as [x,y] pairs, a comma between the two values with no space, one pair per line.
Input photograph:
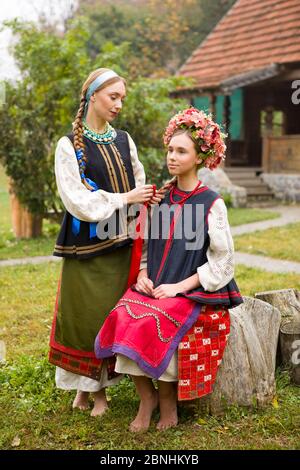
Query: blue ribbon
[104,77]
[76,222]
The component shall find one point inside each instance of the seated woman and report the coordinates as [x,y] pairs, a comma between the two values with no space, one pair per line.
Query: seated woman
[173,324]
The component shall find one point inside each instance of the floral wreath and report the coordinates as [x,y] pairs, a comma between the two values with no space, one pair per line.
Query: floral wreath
[204,131]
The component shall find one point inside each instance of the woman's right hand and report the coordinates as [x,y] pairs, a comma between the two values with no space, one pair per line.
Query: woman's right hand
[139,195]
[144,285]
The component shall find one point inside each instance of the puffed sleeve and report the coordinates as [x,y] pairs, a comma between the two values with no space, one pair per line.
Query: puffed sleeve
[219,269]
[138,169]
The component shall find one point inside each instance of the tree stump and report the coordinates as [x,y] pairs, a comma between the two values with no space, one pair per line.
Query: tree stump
[247,373]
[288,303]
[286,300]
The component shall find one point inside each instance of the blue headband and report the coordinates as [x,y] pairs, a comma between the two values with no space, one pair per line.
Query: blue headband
[104,77]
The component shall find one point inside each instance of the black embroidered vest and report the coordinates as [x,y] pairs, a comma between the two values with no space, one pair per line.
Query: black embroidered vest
[109,166]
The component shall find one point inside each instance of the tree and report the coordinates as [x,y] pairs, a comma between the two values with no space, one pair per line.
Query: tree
[162,35]
[39,108]
[155,31]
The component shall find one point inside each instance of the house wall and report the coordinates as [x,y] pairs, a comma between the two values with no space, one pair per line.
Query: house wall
[281,164]
[282,154]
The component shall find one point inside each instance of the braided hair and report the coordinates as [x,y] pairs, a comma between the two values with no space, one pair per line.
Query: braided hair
[78,123]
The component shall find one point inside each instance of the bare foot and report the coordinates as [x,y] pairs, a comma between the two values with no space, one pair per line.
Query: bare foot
[168,410]
[81,400]
[142,420]
[100,403]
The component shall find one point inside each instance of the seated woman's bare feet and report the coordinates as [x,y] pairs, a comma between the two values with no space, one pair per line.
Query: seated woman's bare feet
[81,400]
[167,407]
[169,421]
[100,403]
[142,420]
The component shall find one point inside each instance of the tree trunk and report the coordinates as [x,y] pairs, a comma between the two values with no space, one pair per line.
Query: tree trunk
[24,223]
[247,372]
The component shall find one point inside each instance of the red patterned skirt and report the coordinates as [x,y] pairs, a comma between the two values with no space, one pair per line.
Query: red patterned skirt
[200,352]
[149,331]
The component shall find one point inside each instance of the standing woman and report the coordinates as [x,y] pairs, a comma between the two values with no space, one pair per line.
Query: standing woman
[98,173]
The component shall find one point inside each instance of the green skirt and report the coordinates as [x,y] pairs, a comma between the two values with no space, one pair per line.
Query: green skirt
[89,289]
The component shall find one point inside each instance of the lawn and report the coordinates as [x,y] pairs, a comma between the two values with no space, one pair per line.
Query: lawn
[240,215]
[278,242]
[34,415]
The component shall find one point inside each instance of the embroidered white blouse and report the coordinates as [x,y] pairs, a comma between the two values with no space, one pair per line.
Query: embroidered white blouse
[86,205]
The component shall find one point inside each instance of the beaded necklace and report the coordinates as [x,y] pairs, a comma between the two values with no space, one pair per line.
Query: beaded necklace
[182,201]
[107,137]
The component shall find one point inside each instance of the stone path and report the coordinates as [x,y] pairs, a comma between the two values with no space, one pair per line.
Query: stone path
[33,260]
[289,214]
[266,263]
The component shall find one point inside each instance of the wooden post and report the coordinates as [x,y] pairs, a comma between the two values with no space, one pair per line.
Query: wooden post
[24,223]
[269,117]
[213,99]
[266,154]
[226,123]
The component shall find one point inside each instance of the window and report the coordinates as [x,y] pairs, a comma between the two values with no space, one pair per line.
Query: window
[272,122]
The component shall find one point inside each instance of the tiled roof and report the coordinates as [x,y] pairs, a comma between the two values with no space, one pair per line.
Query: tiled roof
[252,35]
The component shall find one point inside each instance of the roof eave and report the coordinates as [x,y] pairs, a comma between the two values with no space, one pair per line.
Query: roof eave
[248,78]
[227,86]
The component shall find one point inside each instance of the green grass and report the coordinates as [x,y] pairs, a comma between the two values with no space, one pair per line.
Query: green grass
[279,242]
[11,248]
[252,280]
[34,411]
[40,416]
[240,216]
[27,301]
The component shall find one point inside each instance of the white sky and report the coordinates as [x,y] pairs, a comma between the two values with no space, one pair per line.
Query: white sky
[27,10]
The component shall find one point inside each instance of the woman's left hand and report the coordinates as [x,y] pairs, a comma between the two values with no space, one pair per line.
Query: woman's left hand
[166,290]
[159,195]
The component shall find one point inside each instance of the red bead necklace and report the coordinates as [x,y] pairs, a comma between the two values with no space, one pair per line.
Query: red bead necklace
[182,201]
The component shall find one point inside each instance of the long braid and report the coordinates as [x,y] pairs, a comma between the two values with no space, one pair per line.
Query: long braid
[78,142]
[168,184]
